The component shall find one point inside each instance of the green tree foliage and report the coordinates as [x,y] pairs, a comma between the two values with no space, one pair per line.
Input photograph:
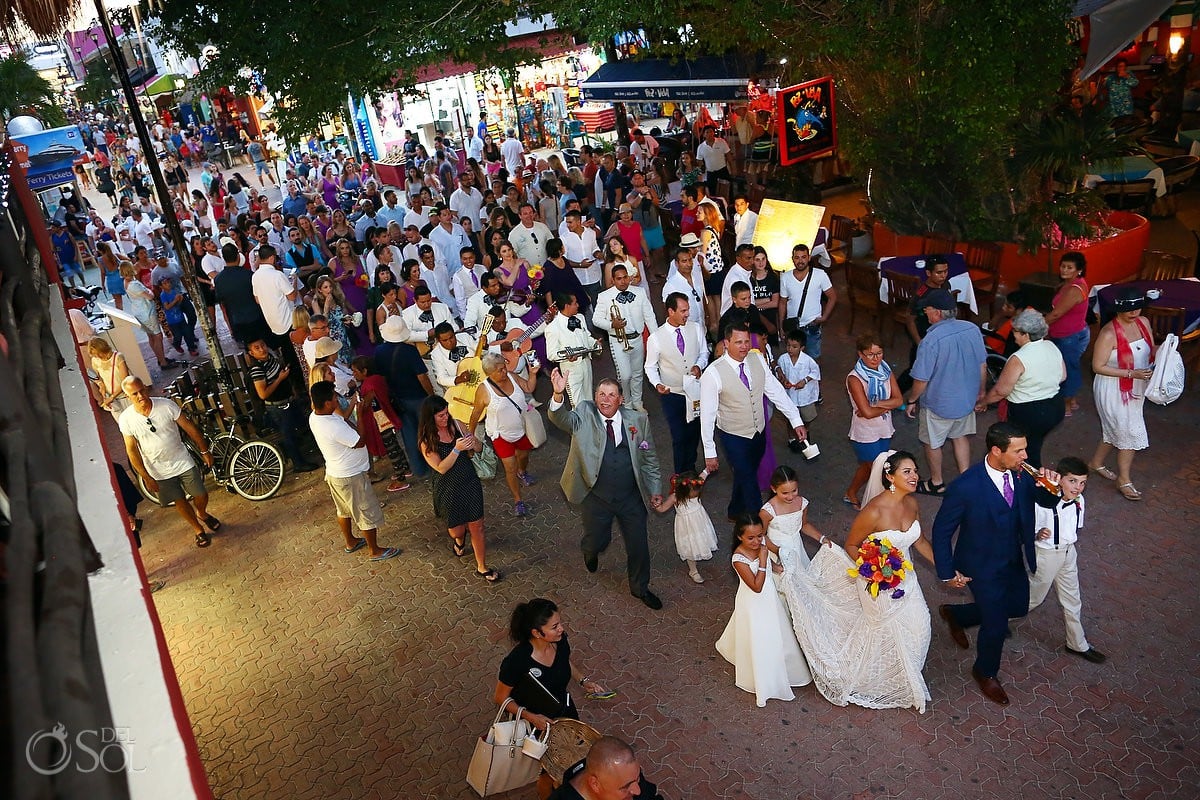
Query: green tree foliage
[24,91]
[312,56]
[98,84]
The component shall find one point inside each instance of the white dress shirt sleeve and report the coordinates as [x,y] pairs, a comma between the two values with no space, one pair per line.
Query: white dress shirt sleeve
[652,356]
[710,397]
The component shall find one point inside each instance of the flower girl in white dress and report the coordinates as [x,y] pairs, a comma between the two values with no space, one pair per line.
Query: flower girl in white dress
[695,538]
[758,640]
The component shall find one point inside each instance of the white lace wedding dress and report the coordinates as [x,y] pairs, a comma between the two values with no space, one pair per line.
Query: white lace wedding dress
[861,649]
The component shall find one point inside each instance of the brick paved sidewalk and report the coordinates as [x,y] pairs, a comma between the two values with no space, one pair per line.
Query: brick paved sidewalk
[309,673]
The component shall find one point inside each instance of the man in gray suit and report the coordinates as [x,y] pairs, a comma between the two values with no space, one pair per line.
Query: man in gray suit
[611,473]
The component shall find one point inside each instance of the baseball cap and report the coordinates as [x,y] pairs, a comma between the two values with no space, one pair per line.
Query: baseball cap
[939,299]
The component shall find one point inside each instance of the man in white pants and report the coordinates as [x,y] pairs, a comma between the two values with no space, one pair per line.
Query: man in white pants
[636,314]
[568,332]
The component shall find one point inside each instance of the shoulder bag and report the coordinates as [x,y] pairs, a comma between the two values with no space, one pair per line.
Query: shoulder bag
[499,763]
[535,426]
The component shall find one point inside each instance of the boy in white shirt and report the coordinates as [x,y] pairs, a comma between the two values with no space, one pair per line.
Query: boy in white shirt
[801,377]
[1057,558]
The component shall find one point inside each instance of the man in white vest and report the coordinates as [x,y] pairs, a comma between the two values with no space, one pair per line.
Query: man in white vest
[731,400]
[675,351]
[633,315]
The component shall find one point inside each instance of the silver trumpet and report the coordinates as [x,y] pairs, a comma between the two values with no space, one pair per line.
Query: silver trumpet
[614,316]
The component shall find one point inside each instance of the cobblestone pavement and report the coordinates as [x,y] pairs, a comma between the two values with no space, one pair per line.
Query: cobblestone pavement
[309,673]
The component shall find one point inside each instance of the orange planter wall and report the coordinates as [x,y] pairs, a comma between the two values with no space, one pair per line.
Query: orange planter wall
[1110,260]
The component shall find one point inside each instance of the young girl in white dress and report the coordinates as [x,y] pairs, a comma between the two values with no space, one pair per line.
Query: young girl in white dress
[784,517]
[758,640]
[695,538]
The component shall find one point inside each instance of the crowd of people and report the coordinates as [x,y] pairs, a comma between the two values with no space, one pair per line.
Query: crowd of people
[401,334]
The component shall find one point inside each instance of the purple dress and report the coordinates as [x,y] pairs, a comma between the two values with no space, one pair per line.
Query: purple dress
[522,284]
[329,192]
[356,299]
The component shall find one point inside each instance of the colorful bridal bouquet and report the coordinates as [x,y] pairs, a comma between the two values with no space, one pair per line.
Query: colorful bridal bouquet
[534,271]
[882,566]
[361,281]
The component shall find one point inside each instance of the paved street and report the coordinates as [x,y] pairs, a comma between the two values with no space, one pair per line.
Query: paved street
[309,673]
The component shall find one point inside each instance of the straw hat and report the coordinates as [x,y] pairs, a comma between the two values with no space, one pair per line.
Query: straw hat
[326,347]
[393,330]
[570,741]
[689,240]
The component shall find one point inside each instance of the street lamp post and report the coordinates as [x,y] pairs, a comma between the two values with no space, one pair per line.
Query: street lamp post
[160,185]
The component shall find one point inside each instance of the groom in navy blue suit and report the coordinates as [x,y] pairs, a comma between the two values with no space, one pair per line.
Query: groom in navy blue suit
[991,507]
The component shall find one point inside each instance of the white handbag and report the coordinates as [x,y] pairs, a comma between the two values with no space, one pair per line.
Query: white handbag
[535,747]
[497,767]
[1166,384]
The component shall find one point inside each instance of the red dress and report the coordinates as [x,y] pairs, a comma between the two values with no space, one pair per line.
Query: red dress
[377,385]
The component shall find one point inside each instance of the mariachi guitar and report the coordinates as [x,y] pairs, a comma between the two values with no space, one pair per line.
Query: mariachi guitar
[426,347]
[461,396]
[521,341]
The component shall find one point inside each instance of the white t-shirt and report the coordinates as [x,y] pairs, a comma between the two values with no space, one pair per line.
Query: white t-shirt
[512,151]
[337,438]
[579,247]
[158,438]
[466,204]
[713,155]
[142,231]
[792,289]
[271,289]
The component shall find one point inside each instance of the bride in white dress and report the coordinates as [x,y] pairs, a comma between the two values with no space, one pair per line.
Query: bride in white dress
[862,649]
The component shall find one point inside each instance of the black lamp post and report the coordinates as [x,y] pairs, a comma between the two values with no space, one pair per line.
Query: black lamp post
[160,185]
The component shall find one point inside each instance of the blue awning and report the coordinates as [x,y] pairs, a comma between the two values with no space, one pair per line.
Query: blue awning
[654,80]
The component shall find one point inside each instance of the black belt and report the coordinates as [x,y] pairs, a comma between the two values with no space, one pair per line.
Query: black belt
[280,404]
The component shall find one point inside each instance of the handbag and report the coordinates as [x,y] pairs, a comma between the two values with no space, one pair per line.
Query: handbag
[535,747]
[1166,384]
[485,461]
[535,426]
[497,767]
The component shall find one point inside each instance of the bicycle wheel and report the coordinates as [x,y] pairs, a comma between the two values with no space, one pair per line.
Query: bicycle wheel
[256,470]
[222,448]
[141,484]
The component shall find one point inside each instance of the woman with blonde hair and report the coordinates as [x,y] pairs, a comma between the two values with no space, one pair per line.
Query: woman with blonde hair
[329,300]
[143,306]
[110,368]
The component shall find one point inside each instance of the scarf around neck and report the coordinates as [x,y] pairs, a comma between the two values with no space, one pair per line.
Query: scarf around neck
[879,385]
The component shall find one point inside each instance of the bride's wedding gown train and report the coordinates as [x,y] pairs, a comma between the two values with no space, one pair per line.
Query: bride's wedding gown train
[861,649]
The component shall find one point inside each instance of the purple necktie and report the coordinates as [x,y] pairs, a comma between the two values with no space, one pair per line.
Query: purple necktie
[1008,490]
[679,341]
[742,374]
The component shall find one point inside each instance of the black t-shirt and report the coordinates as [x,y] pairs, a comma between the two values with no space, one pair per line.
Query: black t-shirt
[520,671]
[752,316]
[763,289]
[236,293]
[565,792]
[400,364]
[918,313]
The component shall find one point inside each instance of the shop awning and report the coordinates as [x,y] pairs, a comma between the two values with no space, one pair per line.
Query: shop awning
[651,80]
[164,84]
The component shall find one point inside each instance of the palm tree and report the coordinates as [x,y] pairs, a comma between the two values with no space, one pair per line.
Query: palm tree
[24,91]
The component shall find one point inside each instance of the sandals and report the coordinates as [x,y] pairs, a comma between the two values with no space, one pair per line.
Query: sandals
[203,540]
[459,546]
[852,503]
[491,576]
[1105,472]
[931,488]
[358,545]
[1128,491]
[212,522]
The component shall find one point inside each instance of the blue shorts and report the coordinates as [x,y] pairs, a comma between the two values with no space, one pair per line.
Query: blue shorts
[867,451]
[72,268]
[654,237]
[260,168]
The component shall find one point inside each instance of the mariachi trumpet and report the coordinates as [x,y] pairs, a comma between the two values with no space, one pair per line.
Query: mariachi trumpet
[614,316]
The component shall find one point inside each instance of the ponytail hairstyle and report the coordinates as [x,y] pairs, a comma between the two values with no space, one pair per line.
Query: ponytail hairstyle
[528,617]
[783,474]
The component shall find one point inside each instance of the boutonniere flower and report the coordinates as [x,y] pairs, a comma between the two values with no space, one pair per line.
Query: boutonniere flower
[633,430]
[643,445]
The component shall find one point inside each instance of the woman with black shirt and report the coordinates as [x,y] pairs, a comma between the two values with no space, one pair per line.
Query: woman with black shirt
[535,674]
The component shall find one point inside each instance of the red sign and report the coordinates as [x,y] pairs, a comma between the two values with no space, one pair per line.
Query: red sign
[806,121]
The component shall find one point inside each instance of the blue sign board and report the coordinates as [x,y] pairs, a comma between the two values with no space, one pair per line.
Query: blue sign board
[47,157]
